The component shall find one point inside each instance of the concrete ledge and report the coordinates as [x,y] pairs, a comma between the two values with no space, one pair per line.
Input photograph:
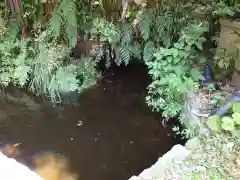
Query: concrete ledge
[10,169]
[161,169]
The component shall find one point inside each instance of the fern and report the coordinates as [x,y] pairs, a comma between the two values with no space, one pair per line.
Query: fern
[164,26]
[146,22]
[87,73]
[107,31]
[54,25]
[65,15]
[14,67]
[69,10]
[127,34]
[64,80]
[148,51]
[126,54]
[21,74]
[47,59]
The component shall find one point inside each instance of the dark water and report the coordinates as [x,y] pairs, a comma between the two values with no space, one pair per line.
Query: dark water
[111,134]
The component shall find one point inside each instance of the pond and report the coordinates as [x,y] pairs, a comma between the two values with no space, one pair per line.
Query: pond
[109,134]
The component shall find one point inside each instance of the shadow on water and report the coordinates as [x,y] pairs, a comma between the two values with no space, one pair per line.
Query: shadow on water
[111,134]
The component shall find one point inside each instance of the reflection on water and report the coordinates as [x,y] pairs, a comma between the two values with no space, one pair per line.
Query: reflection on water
[111,134]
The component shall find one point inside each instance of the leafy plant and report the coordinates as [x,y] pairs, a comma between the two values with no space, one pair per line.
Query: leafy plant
[39,64]
[226,123]
[173,73]
[147,27]
[214,123]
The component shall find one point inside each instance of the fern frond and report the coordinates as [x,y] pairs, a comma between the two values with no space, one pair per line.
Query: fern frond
[148,51]
[68,9]
[64,14]
[125,54]
[164,26]
[146,23]
[21,74]
[127,33]
[107,31]
[55,22]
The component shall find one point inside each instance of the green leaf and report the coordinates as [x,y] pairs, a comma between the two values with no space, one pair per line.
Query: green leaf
[55,23]
[196,74]
[146,24]
[236,118]
[169,59]
[148,51]
[228,124]
[125,54]
[127,33]
[179,45]
[214,123]
[236,107]
[176,60]
[21,74]
[199,45]
[175,52]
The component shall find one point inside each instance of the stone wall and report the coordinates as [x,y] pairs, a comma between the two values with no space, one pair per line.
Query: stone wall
[161,170]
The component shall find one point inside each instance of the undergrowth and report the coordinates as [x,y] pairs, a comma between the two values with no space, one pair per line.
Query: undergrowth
[44,66]
[150,31]
[218,155]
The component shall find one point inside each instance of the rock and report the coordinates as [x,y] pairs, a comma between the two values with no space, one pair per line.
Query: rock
[134,178]
[177,154]
[10,169]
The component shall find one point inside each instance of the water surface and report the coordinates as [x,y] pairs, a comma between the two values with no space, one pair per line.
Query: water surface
[110,134]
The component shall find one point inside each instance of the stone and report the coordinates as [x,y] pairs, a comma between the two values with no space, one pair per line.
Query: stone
[159,170]
[10,169]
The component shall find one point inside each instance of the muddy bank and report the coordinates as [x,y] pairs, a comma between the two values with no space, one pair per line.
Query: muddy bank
[110,134]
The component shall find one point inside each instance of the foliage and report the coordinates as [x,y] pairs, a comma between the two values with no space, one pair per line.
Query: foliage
[39,64]
[64,15]
[173,73]
[213,157]
[226,123]
[148,29]
[217,9]
[218,154]
[223,64]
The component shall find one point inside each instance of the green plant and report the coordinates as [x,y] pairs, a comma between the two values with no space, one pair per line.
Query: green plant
[38,63]
[213,174]
[173,73]
[217,155]
[148,26]
[223,64]
[226,123]
[64,15]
